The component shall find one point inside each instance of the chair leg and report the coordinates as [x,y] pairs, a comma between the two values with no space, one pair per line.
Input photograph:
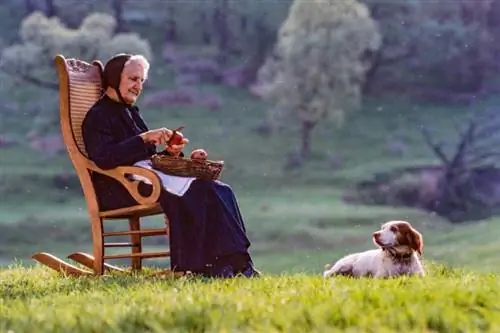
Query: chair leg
[98,240]
[167,227]
[136,240]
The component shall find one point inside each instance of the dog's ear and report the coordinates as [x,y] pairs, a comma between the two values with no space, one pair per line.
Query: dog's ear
[415,240]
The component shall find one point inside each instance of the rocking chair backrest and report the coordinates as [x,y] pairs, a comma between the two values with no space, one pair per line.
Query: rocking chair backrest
[79,89]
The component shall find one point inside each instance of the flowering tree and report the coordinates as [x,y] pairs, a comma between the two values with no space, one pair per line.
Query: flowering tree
[42,38]
[317,68]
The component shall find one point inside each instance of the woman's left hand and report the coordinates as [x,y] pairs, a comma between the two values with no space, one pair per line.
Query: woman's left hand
[176,150]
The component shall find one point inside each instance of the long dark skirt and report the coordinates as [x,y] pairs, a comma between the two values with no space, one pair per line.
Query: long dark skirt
[206,226]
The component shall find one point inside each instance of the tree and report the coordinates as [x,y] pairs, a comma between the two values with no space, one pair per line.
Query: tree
[317,68]
[42,38]
[439,50]
[458,31]
[467,187]
[259,24]
[399,27]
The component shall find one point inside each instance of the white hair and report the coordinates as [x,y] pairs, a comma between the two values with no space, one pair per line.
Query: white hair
[142,60]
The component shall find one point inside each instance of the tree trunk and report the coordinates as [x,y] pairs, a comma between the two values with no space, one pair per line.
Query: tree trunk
[30,7]
[243,23]
[51,9]
[370,74]
[307,127]
[118,13]
[221,28]
[206,36]
[266,38]
[171,29]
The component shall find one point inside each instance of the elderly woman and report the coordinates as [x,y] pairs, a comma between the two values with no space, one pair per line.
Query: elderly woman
[207,232]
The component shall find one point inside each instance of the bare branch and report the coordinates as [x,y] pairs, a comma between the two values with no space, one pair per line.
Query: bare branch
[386,60]
[437,148]
[488,130]
[464,143]
[479,160]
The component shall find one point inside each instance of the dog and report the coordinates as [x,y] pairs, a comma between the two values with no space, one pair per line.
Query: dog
[399,253]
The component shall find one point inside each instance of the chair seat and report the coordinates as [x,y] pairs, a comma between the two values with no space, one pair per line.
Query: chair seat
[138,210]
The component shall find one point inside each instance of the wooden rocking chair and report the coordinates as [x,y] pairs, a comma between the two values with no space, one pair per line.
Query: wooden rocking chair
[79,89]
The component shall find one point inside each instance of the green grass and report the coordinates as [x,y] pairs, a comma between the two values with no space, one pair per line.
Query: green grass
[445,301]
[289,234]
[296,219]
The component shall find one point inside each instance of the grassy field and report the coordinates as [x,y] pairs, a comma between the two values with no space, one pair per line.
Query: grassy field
[296,218]
[446,301]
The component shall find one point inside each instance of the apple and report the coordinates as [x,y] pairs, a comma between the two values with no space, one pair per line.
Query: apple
[199,154]
[177,137]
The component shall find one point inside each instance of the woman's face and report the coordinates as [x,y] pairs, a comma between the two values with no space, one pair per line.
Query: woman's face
[132,79]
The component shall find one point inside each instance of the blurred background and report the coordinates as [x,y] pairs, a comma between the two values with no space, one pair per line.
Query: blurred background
[333,116]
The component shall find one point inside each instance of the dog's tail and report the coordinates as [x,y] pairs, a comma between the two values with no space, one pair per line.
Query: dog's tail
[338,269]
[328,270]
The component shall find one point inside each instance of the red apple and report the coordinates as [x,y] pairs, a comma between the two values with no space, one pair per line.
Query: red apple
[199,154]
[177,137]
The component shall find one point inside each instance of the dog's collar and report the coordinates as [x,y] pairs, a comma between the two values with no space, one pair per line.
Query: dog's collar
[403,253]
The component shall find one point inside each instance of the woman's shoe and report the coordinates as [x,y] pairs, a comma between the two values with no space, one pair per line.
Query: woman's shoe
[250,271]
[224,272]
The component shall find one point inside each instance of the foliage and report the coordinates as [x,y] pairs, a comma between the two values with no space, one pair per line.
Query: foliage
[446,46]
[41,38]
[459,34]
[412,31]
[316,70]
[445,301]
[398,27]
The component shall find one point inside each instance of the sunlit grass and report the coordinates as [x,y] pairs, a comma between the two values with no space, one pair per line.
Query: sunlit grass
[445,301]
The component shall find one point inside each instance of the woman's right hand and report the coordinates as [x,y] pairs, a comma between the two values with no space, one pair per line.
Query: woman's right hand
[158,136]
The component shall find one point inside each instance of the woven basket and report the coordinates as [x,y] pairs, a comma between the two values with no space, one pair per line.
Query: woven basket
[185,167]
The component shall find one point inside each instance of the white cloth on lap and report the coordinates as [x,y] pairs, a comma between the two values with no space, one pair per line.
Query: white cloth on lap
[173,184]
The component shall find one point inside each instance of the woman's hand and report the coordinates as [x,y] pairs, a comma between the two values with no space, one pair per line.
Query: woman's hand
[176,150]
[176,142]
[162,136]
[158,136]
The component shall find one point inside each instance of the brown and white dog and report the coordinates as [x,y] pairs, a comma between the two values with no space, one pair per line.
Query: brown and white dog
[399,252]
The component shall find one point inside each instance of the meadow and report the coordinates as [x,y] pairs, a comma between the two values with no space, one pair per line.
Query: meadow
[450,300]
[296,217]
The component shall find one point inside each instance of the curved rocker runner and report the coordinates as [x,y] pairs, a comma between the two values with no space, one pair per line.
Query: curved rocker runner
[86,260]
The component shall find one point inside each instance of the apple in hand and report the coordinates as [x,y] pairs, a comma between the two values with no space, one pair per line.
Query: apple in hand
[199,154]
[177,137]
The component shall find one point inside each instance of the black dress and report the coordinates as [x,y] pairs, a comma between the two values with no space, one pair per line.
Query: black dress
[207,231]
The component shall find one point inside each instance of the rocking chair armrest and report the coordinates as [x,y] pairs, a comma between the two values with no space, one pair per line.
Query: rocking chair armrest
[132,185]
